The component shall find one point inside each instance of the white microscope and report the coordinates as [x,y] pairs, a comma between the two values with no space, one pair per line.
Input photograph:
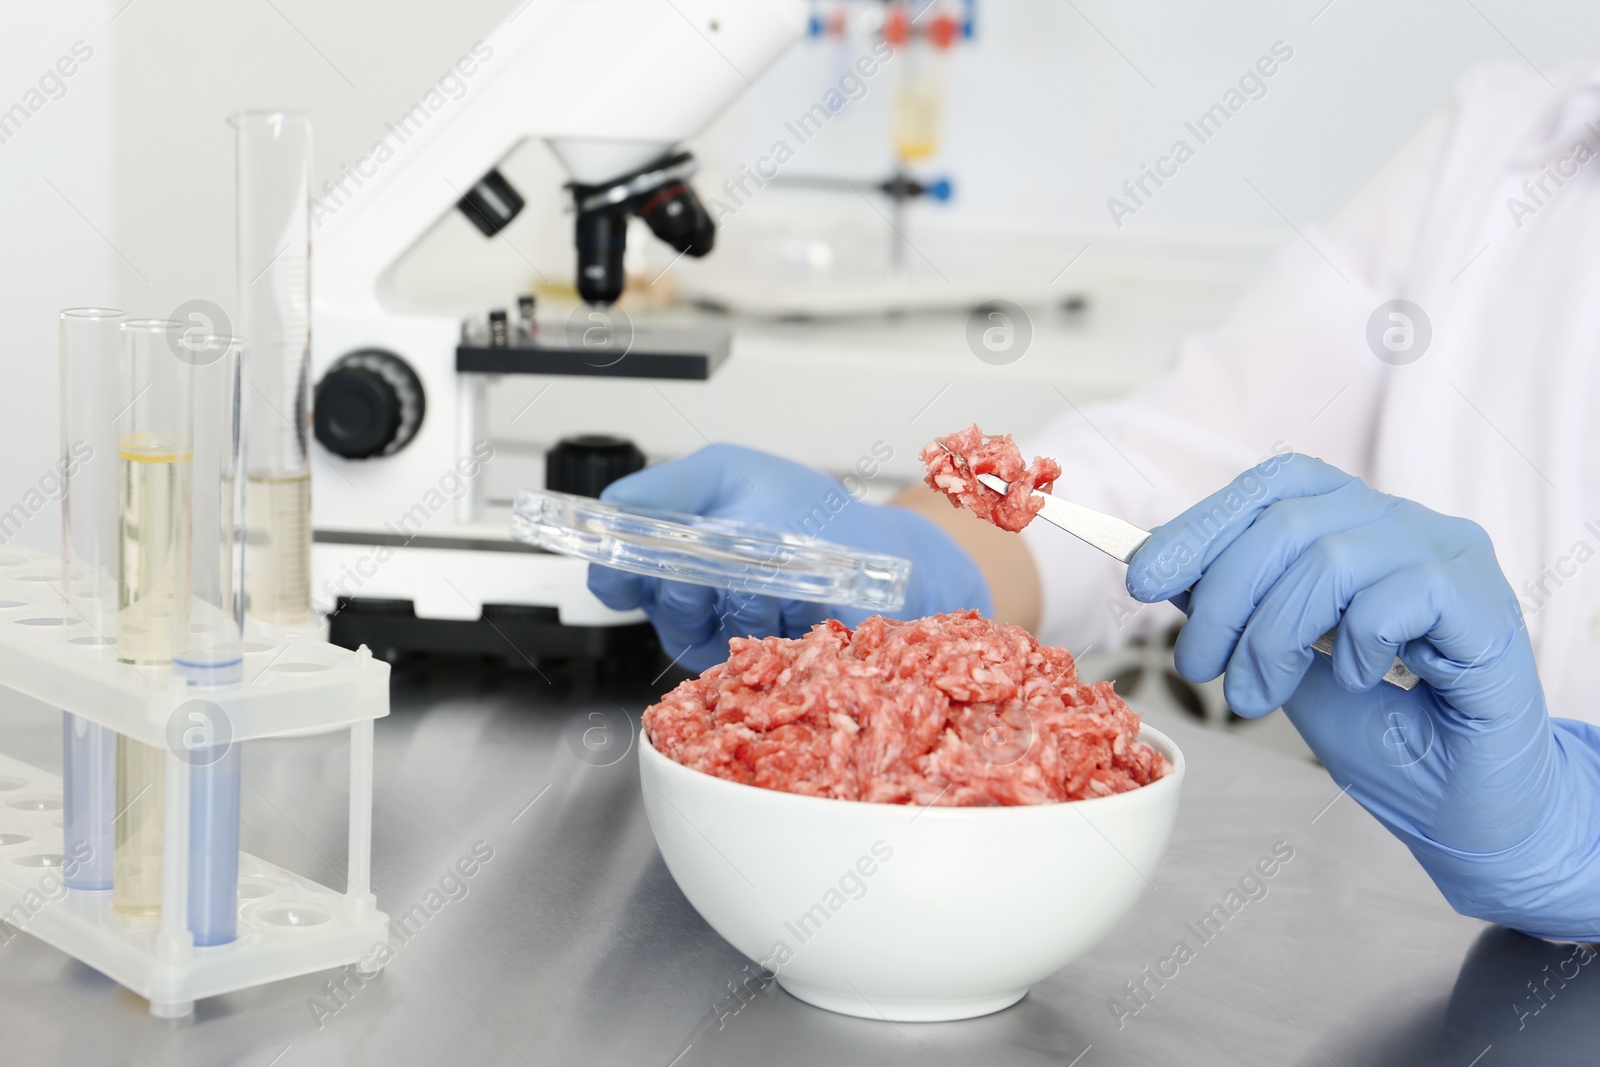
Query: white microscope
[402,555]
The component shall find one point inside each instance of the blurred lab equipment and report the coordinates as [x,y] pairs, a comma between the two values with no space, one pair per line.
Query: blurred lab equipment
[920,40]
[406,554]
[272,174]
[816,260]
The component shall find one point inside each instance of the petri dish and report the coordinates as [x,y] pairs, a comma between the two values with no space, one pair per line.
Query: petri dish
[739,557]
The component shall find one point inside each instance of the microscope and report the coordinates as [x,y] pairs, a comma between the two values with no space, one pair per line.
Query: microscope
[404,557]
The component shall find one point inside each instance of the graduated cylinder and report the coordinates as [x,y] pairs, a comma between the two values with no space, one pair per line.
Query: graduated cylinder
[273,277]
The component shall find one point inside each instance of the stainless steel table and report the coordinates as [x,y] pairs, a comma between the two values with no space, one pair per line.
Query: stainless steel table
[572,945]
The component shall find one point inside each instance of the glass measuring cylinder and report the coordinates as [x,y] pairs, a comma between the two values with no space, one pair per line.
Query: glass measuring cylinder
[273,275]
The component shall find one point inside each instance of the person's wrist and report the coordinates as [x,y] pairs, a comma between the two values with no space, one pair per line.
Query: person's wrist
[943,576]
[1545,882]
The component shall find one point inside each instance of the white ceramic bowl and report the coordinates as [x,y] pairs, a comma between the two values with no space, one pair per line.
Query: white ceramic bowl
[890,912]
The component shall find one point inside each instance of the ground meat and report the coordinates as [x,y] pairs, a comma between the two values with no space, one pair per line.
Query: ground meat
[949,710]
[954,459]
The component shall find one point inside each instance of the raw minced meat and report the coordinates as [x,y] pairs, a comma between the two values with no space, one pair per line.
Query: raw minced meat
[954,461]
[949,709]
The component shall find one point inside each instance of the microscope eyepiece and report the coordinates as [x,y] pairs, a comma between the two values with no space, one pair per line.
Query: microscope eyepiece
[491,204]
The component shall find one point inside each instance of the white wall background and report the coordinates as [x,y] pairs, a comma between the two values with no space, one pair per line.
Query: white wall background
[121,190]
[56,224]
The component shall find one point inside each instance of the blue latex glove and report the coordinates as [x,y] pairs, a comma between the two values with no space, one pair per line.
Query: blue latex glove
[1500,803]
[732,482]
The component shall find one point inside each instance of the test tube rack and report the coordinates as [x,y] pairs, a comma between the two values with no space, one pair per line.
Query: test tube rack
[288,924]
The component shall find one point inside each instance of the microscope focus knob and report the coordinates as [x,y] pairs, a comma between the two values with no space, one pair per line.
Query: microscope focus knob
[589,462]
[370,403]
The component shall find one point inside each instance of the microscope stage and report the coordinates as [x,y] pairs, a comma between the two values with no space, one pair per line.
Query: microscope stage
[686,353]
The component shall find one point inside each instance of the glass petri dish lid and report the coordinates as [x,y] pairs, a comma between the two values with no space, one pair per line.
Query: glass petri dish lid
[736,556]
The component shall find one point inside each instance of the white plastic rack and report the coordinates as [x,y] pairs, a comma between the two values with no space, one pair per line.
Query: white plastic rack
[288,924]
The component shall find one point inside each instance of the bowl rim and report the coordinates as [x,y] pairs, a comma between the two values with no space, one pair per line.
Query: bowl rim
[1147,733]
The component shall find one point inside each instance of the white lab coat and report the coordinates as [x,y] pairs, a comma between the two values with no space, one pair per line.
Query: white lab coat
[1493,422]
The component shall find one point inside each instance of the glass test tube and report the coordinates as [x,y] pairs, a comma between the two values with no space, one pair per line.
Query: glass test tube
[90,355]
[88,788]
[918,101]
[214,778]
[136,876]
[273,275]
[155,457]
[155,452]
[213,652]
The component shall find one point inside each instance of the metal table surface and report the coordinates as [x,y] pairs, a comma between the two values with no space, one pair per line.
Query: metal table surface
[572,945]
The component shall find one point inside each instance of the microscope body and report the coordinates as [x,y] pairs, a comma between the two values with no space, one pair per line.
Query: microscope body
[612,86]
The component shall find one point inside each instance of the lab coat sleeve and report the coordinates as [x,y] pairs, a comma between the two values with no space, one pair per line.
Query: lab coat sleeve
[1288,370]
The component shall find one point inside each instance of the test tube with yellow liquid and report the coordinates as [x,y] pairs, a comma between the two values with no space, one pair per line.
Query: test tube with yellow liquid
[920,41]
[918,105]
[153,497]
[154,482]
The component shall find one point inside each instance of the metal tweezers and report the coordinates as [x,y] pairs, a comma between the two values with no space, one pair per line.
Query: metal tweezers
[1120,540]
